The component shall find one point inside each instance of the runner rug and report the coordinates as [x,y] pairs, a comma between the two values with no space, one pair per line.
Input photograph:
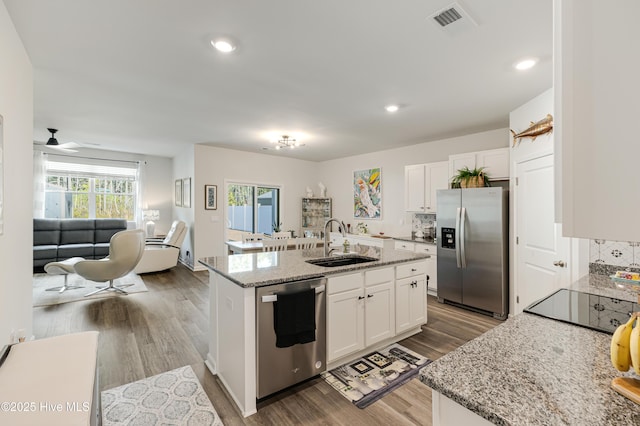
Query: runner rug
[172,398]
[367,379]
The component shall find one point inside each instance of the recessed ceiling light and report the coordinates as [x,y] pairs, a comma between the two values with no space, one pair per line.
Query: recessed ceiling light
[224,46]
[525,64]
[391,108]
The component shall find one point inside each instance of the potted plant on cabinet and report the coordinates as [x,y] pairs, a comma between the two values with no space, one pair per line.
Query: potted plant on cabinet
[470,178]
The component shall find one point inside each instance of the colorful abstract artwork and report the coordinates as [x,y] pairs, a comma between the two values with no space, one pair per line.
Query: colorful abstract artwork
[367,199]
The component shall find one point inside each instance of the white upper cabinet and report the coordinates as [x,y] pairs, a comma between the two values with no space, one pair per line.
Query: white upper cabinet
[421,183]
[460,161]
[495,162]
[436,177]
[414,188]
[596,91]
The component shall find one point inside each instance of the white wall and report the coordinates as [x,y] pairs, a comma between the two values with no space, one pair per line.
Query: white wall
[215,166]
[337,175]
[183,167]
[16,107]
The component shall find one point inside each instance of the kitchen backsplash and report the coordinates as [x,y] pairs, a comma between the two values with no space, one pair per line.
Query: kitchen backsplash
[420,221]
[607,256]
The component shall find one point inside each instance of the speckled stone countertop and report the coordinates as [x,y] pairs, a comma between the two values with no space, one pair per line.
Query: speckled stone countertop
[416,240]
[531,370]
[260,269]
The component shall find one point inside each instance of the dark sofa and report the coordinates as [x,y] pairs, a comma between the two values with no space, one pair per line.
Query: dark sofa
[59,239]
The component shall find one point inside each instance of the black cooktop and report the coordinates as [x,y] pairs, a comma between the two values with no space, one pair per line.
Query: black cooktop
[588,310]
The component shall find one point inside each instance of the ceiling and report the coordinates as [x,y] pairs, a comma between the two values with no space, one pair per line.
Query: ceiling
[141,76]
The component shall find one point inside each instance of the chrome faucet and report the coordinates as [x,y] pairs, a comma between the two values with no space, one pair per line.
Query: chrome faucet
[341,228]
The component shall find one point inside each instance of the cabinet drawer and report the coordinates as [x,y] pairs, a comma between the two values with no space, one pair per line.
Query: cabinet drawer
[404,245]
[426,248]
[410,269]
[344,283]
[377,276]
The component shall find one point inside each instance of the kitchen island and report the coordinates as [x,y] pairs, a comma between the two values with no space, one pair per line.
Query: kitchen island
[369,305]
[532,370]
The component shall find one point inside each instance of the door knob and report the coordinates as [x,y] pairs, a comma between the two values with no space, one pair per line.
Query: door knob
[559,263]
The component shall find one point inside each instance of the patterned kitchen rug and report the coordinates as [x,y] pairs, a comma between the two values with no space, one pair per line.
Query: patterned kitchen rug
[172,398]
[367,379]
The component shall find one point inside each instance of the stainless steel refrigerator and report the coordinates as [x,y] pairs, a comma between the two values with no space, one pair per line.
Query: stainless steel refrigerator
[472,239]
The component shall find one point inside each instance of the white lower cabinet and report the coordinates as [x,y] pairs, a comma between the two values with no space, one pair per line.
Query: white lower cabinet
[345,315]
[360,311]
[380,306]
[432,266]
[411,296]
[364,308]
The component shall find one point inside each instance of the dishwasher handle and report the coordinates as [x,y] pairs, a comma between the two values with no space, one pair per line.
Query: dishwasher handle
[274,297]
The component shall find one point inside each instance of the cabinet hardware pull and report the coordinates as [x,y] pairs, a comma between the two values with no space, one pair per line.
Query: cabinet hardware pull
[360,297]
[369,295]
[413,269]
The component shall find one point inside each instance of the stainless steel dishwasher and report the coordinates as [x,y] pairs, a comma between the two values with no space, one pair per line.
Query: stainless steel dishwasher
[278,368]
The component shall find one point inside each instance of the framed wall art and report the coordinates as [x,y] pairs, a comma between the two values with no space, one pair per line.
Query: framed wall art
[178,192]
[186,192]
[367,196]
[210,197]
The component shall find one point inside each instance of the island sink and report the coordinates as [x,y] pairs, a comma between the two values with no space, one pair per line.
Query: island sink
[340,261]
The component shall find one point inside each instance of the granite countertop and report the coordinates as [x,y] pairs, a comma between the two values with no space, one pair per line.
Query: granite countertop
[533,370]
[416,240]
[267,268]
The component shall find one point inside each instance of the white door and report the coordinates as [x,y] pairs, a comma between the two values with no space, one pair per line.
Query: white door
[542,253]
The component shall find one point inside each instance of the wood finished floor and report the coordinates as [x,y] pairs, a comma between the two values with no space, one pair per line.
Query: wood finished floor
[145,334]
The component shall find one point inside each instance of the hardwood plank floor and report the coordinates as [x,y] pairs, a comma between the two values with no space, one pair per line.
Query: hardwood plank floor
[144,334]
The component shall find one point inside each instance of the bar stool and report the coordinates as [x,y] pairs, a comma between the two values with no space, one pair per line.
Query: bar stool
[64,267]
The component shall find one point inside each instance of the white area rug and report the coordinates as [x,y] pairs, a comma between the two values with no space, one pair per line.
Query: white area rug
[41,282]
[172,398]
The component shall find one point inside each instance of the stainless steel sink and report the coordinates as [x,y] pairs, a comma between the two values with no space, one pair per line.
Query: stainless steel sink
[330,262]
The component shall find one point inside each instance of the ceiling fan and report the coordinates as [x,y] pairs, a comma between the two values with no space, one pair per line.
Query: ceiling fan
[53,143]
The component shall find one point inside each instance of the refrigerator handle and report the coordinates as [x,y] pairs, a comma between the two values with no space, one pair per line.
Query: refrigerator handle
[463,220]
[457,241]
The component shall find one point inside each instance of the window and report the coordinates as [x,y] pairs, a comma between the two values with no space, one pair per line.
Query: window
[92,190]
[253,208]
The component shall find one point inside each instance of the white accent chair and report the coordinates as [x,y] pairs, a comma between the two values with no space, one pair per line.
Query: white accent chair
[125,251]
[250,238]
[275,245]
[281,235]
[162,255]
[306,243]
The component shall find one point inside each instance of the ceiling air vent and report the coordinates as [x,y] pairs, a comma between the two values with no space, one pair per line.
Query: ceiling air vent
[447,17]
[453,20]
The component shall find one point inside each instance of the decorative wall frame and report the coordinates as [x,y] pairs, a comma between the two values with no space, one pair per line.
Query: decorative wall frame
[178,192]
[367,195]
[210,197]
[186,192]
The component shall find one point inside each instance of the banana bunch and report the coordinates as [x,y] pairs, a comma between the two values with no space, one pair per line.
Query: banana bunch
[625,345]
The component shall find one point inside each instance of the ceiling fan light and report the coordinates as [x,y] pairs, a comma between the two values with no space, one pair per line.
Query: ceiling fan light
[52,140]
[391,108]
